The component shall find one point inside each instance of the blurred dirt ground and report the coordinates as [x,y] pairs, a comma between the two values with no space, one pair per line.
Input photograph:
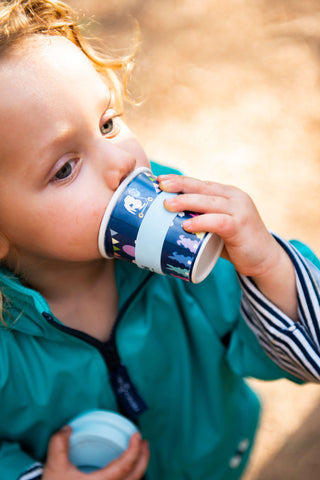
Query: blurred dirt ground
[231,93]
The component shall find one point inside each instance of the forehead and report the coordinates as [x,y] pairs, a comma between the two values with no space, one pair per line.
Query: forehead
[43,65]
[46,83]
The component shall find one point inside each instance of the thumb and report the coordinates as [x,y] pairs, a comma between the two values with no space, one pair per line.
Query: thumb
[58,448]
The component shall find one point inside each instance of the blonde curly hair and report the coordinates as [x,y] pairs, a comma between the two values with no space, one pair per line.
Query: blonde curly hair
[20,19]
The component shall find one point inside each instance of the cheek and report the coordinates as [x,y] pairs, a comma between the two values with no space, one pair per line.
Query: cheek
[57,222]
[78,217]
[71,232]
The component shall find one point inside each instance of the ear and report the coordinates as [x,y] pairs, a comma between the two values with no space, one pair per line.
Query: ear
[4,246]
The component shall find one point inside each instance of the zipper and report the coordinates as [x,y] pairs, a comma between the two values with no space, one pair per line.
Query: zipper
[130,402]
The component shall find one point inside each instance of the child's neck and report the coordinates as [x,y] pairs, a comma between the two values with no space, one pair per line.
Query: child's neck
[82,296]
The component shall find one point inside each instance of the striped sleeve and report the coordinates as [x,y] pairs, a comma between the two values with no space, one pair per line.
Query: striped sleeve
[294,346]
[33,473]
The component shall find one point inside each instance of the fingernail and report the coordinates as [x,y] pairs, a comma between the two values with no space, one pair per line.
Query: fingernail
[169,203]
[137,436]
[187,224]
[166,181]
[164,184]
[66,428]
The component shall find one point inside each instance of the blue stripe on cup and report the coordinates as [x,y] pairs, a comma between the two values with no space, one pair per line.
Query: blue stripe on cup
[180,248]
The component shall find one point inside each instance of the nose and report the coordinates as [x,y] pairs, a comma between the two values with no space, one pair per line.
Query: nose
[116,163]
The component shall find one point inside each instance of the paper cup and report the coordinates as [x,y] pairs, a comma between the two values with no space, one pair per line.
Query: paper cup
[138,228]
[98,437]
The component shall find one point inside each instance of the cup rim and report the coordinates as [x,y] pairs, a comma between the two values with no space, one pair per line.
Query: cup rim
[203,265]
[111,205]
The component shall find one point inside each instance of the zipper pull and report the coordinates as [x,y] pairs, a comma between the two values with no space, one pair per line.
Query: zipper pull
[130,403]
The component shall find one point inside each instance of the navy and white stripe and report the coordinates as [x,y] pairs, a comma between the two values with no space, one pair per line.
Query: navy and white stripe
[33,473]
[294,346]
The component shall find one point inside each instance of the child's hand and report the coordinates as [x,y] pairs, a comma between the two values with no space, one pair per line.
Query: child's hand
[231,213]
[131,465]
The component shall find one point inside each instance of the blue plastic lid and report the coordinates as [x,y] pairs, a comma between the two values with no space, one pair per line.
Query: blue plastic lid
[98,437]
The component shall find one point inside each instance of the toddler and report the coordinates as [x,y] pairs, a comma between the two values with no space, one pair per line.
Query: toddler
[79,332]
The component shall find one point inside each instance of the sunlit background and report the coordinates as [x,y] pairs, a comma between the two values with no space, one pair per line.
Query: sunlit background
[230,92]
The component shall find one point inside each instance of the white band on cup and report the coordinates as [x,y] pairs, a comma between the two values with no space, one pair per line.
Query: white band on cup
[152,233]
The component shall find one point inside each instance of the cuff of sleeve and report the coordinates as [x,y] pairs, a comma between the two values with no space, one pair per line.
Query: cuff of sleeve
[294,346]
[33,473]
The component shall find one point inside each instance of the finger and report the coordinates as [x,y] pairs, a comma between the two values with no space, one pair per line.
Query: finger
[184,184]
[122,467]
[59,447]
[142,464]
[219,223]
[199,203]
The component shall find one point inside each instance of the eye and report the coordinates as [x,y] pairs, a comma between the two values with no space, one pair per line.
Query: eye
[107,127]
[65,171]
[110,124]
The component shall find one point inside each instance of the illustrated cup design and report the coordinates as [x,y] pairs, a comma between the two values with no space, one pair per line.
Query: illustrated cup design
[138,228]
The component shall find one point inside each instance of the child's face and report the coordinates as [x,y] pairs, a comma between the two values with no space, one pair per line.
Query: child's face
[63,151]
